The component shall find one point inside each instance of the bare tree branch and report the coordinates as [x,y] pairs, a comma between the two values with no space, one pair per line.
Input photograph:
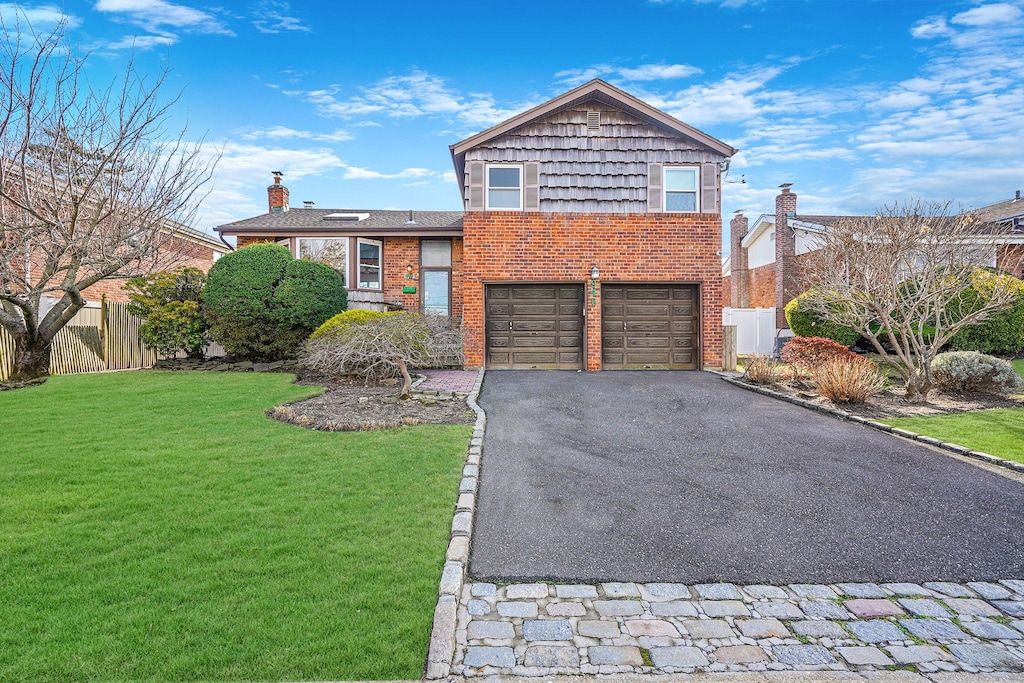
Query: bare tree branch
[903,280]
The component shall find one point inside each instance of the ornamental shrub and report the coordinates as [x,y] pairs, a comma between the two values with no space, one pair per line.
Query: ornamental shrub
[345,319]
[806,353]
[262,303]
[808,323]
[1003,331]
[963,371]
[169,302]
[843,379]
[761,370]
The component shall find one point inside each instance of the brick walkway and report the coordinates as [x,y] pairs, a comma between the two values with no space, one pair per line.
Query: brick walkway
[543,629]
[457,381]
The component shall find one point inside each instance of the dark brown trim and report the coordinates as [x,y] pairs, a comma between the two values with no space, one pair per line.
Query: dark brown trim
[372,233]
[435,269]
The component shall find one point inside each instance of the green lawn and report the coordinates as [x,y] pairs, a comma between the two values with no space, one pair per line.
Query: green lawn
[999,432]
[158,526]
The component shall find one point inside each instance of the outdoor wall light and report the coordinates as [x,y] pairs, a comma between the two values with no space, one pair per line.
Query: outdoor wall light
[408,273]
[595,274]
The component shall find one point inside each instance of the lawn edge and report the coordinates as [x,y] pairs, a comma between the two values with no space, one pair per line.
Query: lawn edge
[441,650]
[880,426]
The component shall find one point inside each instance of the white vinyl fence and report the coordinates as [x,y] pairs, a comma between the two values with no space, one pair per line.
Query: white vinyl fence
[755,329]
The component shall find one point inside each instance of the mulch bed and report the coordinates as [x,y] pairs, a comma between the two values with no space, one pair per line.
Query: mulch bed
[890,403]
[351,404]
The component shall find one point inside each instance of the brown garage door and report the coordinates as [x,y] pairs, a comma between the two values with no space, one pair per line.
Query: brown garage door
[649,327]
[534,326]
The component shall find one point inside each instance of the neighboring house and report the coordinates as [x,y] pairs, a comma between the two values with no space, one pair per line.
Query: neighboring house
[184,247]
[763,267]
[590,240]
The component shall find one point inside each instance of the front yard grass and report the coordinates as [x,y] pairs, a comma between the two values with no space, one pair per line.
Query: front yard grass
[157,525]
[999,432]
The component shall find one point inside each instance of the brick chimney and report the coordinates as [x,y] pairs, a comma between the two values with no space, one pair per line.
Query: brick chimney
[786,285]
[277,194]
[739,279]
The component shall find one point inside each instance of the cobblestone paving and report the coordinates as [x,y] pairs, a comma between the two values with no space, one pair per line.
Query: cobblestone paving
[543,629]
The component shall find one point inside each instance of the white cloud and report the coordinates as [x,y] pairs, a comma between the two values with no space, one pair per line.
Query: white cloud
[161,19]
[274,17]
[357,173]
[645,72]
[986,15]
[417,94]
[934,27]
[284,133]
[40,16]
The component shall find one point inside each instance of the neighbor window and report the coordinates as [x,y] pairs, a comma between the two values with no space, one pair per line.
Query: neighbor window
[505,187]
[331,251]
[681,189]
[369,264]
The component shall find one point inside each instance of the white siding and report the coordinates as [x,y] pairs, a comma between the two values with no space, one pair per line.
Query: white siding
[806,241]
[762,251]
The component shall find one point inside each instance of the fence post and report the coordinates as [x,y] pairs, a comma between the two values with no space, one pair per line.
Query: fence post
[729,348]
[103,332]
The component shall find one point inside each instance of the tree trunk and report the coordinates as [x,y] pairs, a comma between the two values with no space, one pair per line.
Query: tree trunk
[918,387]
[31,361]
[407,380]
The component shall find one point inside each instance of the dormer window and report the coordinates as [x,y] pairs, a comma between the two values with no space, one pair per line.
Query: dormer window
[681,195]
[504,187]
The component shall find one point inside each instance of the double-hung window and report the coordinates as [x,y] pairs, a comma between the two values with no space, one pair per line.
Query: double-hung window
[681,189]
[370,264]
[505,187]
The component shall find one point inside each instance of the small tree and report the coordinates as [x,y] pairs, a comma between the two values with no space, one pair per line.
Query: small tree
[902,280]
[386,346]
[170,305]
[90,186]
[262,303]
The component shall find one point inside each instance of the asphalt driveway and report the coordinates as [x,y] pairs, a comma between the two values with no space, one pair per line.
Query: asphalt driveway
[681,477]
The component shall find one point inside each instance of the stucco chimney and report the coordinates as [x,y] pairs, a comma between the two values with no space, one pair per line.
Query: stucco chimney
[786,284]
[277,194]
[739,274]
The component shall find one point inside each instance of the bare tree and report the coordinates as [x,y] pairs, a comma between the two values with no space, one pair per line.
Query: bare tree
[903,281]
[91,187]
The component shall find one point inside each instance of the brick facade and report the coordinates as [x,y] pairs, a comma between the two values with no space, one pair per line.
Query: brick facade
[399,254]
[1010,258]
[562,247]
[762,286]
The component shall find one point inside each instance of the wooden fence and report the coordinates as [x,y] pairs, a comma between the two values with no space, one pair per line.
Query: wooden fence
[104,337]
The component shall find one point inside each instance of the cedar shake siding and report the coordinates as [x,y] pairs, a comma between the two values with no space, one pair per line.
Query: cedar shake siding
[603,171]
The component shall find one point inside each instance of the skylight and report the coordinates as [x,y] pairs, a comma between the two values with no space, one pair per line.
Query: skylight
[346,216]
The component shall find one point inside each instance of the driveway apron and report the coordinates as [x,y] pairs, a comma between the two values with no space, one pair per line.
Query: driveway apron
[681,477]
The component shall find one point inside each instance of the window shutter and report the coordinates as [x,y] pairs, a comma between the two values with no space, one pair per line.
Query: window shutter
[531,186]
[654,188]
[476,186]
[709,188]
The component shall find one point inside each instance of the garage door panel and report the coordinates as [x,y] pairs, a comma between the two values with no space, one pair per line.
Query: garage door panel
[534,326]
[649,326]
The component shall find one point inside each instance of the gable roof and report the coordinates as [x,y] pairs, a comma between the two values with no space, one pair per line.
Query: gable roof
[1001,212]
[592,90]
[376,222]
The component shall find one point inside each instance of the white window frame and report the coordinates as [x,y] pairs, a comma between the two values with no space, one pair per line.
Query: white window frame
[665,191]
[487,187]
[346,271]
[359,265]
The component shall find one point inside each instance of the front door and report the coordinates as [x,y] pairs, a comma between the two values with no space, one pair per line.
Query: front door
[436,292]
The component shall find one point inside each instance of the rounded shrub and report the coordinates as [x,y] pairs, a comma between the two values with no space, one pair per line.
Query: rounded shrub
[262,303]
[804,354]
[346,319]
[963,371]
[1003,331]
[806,322]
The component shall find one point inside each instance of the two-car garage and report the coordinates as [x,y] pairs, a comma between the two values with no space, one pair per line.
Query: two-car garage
[542,326]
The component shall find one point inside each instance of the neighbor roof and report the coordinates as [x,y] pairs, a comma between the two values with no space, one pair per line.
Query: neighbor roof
[592,90]
[380,222]
[1001,212]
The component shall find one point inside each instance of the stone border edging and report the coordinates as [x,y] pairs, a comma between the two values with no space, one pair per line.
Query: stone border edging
[905,433]
[441,651]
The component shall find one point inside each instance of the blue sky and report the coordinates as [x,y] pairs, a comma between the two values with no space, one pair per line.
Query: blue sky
[858,104]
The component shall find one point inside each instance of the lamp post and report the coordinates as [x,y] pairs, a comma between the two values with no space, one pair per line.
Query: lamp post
[595,275]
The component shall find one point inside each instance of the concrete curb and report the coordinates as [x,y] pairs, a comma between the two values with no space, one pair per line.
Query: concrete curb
[843,415]
[441,650]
